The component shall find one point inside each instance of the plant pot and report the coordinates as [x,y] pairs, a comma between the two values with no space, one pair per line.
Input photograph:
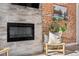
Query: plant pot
[54,37]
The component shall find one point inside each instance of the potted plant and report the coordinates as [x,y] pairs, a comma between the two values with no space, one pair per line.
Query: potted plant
[57,29]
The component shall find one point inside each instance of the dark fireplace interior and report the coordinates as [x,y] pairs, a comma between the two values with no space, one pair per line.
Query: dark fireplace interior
[20,31]
[33,5]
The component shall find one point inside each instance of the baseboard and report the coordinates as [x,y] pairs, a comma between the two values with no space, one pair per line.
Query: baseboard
[34,54]
[71,44]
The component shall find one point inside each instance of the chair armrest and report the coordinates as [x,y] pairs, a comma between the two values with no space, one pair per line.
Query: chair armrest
[4,50]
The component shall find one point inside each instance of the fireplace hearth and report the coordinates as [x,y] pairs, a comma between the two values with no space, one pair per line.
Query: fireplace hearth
[20,32]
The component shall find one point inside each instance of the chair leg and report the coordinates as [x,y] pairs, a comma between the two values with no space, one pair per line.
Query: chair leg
[7,53]
[63,49]
[46,49]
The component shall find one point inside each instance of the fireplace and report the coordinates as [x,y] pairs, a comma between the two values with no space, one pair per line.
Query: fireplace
[20,31]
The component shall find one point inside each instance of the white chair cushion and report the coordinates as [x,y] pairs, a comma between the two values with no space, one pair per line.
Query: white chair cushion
[53,38]
[46,38]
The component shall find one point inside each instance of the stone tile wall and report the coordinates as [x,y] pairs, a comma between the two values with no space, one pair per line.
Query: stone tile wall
[19,14]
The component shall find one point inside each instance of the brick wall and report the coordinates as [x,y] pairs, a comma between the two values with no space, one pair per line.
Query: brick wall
[47,12]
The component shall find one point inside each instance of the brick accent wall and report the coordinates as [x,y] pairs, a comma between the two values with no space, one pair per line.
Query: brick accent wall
[47,12]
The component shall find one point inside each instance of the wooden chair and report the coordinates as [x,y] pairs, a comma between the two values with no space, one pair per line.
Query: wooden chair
[60,47]
[4,50]
[52,45]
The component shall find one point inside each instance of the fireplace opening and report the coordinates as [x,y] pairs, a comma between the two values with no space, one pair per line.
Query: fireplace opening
[33,5]
[20,31]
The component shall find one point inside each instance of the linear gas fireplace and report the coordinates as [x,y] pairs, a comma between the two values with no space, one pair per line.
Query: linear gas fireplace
[20,31]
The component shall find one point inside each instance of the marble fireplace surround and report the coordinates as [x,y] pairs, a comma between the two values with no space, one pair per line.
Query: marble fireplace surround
[18,14]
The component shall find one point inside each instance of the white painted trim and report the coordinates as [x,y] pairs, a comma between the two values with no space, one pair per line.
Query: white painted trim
[77,23]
